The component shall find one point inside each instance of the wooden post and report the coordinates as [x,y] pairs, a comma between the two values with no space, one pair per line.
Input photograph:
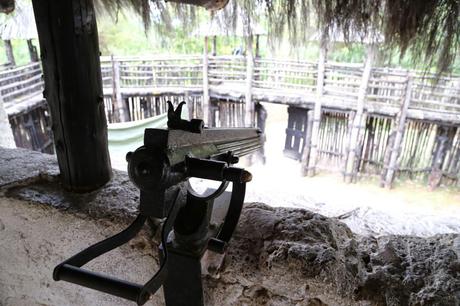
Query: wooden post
[249,104]
[121,109]
[9,52]
[32,51]
[310,169]
[395,145]
[206,99]
[69,45]
[307,144]
[360,118]
[214,46]
[6,134]
[257,53]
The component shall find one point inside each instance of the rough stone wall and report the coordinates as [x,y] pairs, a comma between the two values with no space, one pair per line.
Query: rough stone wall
[278,256]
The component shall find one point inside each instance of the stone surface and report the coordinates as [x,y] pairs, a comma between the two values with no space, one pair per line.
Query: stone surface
[278,256]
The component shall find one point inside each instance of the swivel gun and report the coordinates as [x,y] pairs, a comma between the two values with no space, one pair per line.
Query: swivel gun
[192,223]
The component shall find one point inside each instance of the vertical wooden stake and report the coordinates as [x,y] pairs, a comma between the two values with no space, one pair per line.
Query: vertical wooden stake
[359,120]
[6,134]
[206,99]
[307,144]
[398,130]
[313,145]
[257,53]
[214,46]
[32,51]
[121,109]
[249,104]
[69,45]
[9,52]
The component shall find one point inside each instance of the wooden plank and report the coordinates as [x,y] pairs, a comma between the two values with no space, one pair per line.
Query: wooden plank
[73,88]
[9,52]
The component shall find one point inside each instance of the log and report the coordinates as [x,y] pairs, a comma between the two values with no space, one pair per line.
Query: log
[307,143]
[73,88]
[9,52]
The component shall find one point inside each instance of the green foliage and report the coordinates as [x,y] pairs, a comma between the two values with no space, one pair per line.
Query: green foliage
[20,51]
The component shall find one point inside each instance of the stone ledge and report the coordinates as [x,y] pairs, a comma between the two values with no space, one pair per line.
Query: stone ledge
[278,256]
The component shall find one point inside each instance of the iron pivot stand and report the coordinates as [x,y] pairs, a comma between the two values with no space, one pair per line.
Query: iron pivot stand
[161,170]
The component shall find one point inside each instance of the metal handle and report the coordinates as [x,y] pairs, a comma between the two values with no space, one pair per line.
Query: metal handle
[101,282]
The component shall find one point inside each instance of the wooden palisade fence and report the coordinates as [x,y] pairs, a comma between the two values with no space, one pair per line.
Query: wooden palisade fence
[353,118]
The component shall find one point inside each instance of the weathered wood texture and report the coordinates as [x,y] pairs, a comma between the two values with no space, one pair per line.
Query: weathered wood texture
[73,89]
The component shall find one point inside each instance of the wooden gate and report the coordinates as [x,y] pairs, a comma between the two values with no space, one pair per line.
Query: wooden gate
[296,132]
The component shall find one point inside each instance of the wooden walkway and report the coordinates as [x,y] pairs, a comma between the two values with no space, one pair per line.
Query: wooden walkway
[354,118]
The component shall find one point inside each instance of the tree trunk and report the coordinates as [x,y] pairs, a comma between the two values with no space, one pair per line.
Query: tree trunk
[73,89]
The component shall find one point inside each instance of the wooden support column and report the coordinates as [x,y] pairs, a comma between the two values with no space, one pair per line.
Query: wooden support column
[207,116]
[9,52]
[32,51]
[69,45]
[249,104]
[359,121]
[310,164]
[122,111]
[394,146]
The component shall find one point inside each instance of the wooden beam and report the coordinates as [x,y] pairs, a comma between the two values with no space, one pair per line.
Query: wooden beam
[69,45]
[207,116]
[314,138]
[212,5]
[249,104]
[307,144]
[9,52]
[32,51]
[394,146]
[359,121]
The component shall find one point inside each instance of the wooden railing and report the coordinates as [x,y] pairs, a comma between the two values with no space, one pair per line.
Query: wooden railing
[386,87]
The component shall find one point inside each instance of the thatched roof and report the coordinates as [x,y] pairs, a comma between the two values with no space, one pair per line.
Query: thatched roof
[19,24]
[429,28]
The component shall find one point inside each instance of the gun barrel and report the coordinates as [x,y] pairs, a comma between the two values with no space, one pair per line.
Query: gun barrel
[210,142]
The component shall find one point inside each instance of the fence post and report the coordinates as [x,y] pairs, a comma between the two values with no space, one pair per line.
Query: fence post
[6,133]
[359,119]
[249,105]
[9,52]
[206,99]
[32,51]
[312,144]
[122,111]
[307,144]
[398,130]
